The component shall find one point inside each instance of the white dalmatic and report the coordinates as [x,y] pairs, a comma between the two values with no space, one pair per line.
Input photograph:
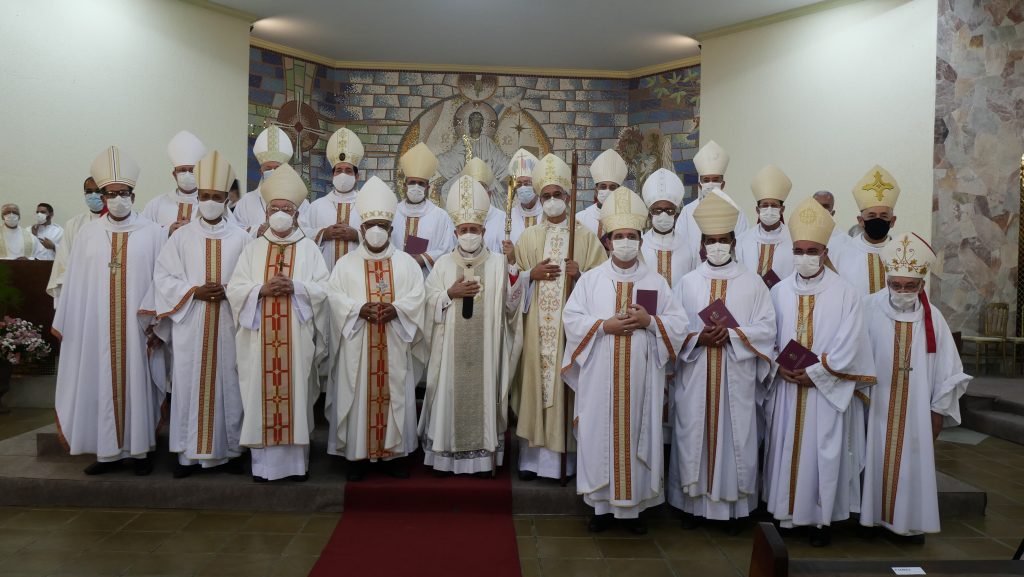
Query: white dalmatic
[206,407]
[619,385]
[686,223]
[472,361]
[251,211]
[279,342]
[330,209]
[63,253]
[763,250]
[371,404]
[900,490]
[860,264]
[427,221]
[807,475]
[718,392]
[668,255]
[107,403]
[523,218]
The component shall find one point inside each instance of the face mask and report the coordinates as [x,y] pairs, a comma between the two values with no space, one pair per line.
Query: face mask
[268,173]
[186,181]
[119,206]
[625,249]
[706,187]
[603,194]
[343,182]
[415,193]
[718,253]
[94,201]
[281,222]
[876,228]
[211,209]
[526,194]
[903,301]
[12,219]
[807,265]
[41,217]
[471,243]
[376,237]
[554,207]
[770,215]
[663,223]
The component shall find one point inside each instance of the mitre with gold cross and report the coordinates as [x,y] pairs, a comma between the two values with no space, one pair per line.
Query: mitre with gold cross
[876,188]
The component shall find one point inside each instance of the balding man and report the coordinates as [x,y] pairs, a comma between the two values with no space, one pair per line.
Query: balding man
[17,243]
[839,238]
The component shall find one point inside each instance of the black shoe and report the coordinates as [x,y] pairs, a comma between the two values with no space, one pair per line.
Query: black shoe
[865,532]
[820,537]
[443,474]
[913,539]
[356,471]
[299,478]
[636,526]
[258,479]
[600,523]
[233,466]
[733,527]
[182,471]
[483,475]
[143,467]
[99,468]
[690,522]
[395,470]
[527,476]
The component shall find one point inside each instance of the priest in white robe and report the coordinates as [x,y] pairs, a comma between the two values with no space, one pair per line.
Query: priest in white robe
[767,249]
[417,217]
[18,243]
[860,262]
[527,210]
[332,221]
[920,382]
[719,379]
[473,310]
[807,477]
[279,303]
[107,403]
[195,319]
[711,162]
[376,298]
[664,248]
[608,171]
[616,353]
[177,208]
[839,238]
[272,148]
[96,209]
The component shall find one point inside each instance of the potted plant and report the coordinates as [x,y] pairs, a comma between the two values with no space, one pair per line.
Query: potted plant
[20,342]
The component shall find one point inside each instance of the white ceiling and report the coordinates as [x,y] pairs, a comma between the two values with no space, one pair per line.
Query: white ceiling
[583,34]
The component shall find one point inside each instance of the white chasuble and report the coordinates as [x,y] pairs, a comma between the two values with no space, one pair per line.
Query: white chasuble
[900,490]
[371,403]
[860,264]
[171,207]
[330,209]
[763,250]
[619,383]
[251,211]
[106,401]
[18,243]
[60,260]
[590,217]
[424,220]
[668,254]
[494,229]
[524,218]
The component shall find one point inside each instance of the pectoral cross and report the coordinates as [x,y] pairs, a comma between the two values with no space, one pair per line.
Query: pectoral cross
[904,369]
[382,286]
[114,266]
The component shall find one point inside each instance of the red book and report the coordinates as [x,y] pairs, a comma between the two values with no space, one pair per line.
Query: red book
[771,279]
[717,313]
[796,356]
[415,245]
[648,299]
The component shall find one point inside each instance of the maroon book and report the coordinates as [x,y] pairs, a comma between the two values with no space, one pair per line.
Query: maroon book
[770,278]
[415,244]
[717,313]
[796,356]
[648,299]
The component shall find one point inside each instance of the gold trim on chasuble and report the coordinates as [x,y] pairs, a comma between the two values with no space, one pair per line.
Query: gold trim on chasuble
[665,266]
[341,246]
[876,273]
[529,221]
[380,283]
[765,258]
[184,211]
[277,351]
[713,391]
[412,228]
[208,363]
[804,336]
[550,300]
[896,425]
[621,434]
[119,329]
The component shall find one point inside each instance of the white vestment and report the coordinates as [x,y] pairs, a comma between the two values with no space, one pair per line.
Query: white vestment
[686,223]
[171,207]
[900,491]
[761,250]
[524,218]
[590,217]
[808,475]
[718,390]
[668,255]
[838,241]
[330,209]
[106,401]
[371,402]
[54,234]
[206,405]
[494,231]
[250,211]
[60,260]
[619,384]
[17,242]
[860,264]
[424,220]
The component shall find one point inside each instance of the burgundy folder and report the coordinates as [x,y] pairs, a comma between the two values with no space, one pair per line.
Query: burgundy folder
[648,299]
[796,356]
[716,313]
[771,279]
[415,245]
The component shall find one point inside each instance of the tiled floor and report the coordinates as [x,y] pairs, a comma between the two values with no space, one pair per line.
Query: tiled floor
[20,421]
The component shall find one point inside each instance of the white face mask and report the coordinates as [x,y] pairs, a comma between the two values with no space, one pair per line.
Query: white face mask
[186,181]
[268,173]
[807,265]
[281,222]
[376,237]
[603,194]
[415,193]
[706,187]
[663,223]
[471,243]
[41,217]
[903,301]
[12,219]
[770,215]
[119,206]
[343,182]
[718,253]
[625,249]
[211,209]
[526,194]
[554,207]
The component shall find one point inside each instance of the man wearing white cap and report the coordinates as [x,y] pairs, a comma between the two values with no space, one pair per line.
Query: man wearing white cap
[272,149]
[421,228]
[527,210]
[920,382]
[107,403]
[824,356]
[176,208]
[622,329]
[376,297]
[713,472]
[711,162]
[860,260]
[332,221]
[608,171]
[279,302]
[542,254]
[663,248]
[94,204]
[18,243]
[473,311]
[766,249]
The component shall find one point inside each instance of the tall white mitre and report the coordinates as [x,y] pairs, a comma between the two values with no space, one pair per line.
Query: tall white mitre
[185,149]
[608,167]
[273,145]
[711,159]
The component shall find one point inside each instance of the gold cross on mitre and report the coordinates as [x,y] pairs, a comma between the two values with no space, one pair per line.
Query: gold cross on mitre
[879,186]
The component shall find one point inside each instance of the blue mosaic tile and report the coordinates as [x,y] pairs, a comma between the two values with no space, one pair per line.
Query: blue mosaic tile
[254,81]
[272,57]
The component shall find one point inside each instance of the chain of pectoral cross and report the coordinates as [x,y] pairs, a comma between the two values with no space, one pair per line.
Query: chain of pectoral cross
[115,259]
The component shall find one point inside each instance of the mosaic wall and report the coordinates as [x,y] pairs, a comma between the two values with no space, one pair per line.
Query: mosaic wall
[652,121]
[979,139]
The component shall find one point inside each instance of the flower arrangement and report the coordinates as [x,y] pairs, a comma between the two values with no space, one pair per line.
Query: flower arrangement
[21,342]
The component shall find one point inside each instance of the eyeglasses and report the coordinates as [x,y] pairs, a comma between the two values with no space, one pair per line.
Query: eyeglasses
[905,287]
[668,211]
[117,193]
[273,209]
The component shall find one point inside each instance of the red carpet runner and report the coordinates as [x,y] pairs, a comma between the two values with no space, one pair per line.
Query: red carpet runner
[424,526]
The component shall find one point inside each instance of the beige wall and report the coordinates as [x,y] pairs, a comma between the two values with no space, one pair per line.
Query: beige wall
[825,96]
[79,75]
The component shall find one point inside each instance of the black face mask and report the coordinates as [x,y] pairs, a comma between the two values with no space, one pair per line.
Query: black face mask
[876,228]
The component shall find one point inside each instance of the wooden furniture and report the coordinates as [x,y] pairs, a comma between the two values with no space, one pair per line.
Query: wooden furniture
[1016,342]
[990,344]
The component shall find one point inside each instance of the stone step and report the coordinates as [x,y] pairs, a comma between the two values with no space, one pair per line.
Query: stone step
[995,422]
